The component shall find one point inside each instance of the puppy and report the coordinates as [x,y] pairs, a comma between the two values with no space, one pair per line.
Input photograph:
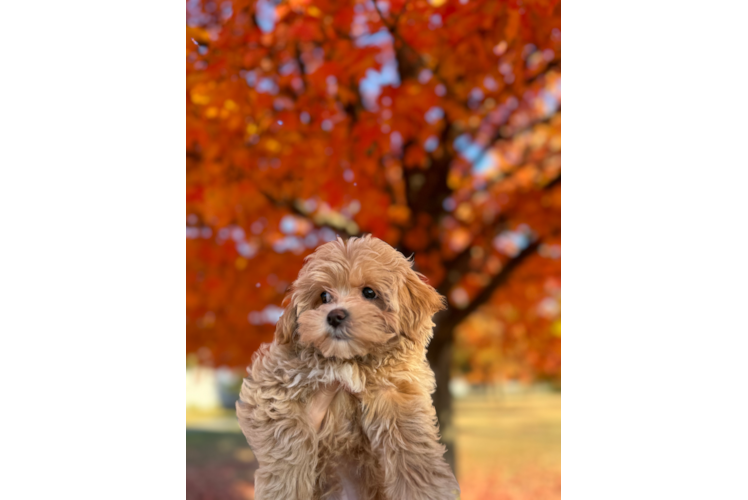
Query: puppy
[357,316]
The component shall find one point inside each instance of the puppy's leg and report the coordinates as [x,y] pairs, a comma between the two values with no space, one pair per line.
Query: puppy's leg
[281,436]
[402,429]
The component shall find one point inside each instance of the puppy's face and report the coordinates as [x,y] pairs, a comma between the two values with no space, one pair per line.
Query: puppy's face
[353,298]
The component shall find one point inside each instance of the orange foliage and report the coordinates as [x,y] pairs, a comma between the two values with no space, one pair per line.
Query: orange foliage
[517,335]
[432,125]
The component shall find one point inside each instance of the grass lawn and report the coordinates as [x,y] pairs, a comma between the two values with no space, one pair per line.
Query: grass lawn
[508,448]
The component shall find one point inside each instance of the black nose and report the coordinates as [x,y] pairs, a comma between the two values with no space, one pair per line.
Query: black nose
[337,316]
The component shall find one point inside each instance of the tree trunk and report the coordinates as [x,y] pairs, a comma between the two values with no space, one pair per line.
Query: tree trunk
[441,361]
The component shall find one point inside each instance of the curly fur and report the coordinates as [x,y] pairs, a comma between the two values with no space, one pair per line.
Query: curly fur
[380,436]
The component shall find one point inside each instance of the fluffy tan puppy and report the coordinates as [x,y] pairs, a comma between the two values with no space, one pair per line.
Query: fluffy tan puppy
[358,317]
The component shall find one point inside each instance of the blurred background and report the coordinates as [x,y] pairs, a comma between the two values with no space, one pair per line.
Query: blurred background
[572,177]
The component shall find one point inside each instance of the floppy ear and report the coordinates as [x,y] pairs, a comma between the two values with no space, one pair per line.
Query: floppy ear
[418,304]
[286,325]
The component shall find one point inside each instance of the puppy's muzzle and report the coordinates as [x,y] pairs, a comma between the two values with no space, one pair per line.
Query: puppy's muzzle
[337,317]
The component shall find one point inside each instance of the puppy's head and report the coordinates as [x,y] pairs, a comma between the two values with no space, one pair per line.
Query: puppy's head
[353,298]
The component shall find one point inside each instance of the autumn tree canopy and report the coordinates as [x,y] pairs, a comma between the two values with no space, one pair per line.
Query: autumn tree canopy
[435,126]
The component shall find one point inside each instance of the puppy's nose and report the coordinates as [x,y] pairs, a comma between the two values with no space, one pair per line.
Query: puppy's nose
[337,316]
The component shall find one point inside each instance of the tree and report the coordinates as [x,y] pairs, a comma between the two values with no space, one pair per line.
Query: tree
[432,125]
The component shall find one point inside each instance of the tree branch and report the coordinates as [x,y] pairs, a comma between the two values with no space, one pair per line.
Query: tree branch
[460,261]
[447,321]
[499,136]
[294,208]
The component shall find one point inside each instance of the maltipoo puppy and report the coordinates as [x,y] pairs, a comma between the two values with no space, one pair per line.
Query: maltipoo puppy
[359,318]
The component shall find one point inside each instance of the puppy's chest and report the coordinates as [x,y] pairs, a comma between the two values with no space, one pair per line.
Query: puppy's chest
[344,434]
[346,454]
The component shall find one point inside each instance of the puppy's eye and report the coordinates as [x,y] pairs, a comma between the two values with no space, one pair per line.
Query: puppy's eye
[326,297]
[369,293]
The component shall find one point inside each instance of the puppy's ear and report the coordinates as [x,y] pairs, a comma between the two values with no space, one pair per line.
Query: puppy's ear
[418,304]
[286,325]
